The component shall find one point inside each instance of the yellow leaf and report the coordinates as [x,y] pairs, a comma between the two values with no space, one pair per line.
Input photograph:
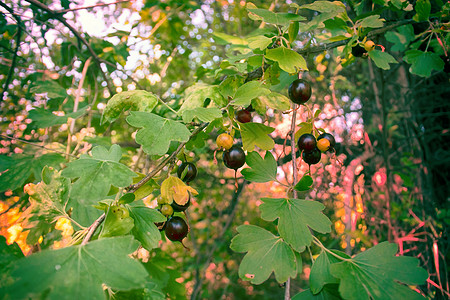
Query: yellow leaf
[174,189]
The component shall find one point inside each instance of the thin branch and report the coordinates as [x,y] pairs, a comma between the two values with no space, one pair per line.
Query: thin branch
[257,73]
[60,18]
[134,187]
[76,102]
[34,144]
[287,292]
[92,229]
[14,59]
[63,11]
[373,33]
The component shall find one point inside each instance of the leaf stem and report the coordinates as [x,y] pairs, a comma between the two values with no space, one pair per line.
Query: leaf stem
[318,243]
[166,105]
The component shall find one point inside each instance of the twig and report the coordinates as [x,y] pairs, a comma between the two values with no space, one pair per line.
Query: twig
[76,102]
[35,145]
[14,59]
[134,187]
[63,11]
[287,292]
[60,18]
[92,229]
[317,49]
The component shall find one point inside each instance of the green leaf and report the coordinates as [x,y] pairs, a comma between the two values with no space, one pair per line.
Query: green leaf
[320,270]
[151,291]
[266,253]
[295,218]
[136,100]
[246,92]
[259,42]
[326,7]
[9,254]
[18,168]
[305,127]
[423,63]
[229,86]
[195,96]
[288,60]
[382,59]
[95,175]
[77,272]
[43,118]
[329,292]
[256,134]
[223,39]
[398,3]
[293,31]
[373,21]
[145,231]
[400,38]
[51,88]
[317,113]
[164,271]
[304,183]
[48,198]
[261,170]
[127,198]
[203,114]
[276,101]
[146,189]
[423,10]
[275,18]
[156,132]
[117,222]
[373,274]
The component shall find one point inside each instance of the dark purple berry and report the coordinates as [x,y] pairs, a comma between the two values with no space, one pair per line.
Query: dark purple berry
[313,157]
[234,158]
[190,174]
[307,142]
[299,91]
[176,229]
[243,116]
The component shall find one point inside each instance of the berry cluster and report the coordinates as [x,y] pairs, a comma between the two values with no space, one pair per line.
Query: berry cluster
[310,147]
[176,228]
[233,156]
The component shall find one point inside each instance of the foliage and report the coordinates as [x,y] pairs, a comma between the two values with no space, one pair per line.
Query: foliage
[97,122]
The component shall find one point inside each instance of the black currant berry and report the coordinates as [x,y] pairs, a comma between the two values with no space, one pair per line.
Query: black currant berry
[190,173]
[313,157]
[177,207]
[299,91]
[358,50]
[234,158]
[243,116]
[330,138]
[307,142]
[176,229]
